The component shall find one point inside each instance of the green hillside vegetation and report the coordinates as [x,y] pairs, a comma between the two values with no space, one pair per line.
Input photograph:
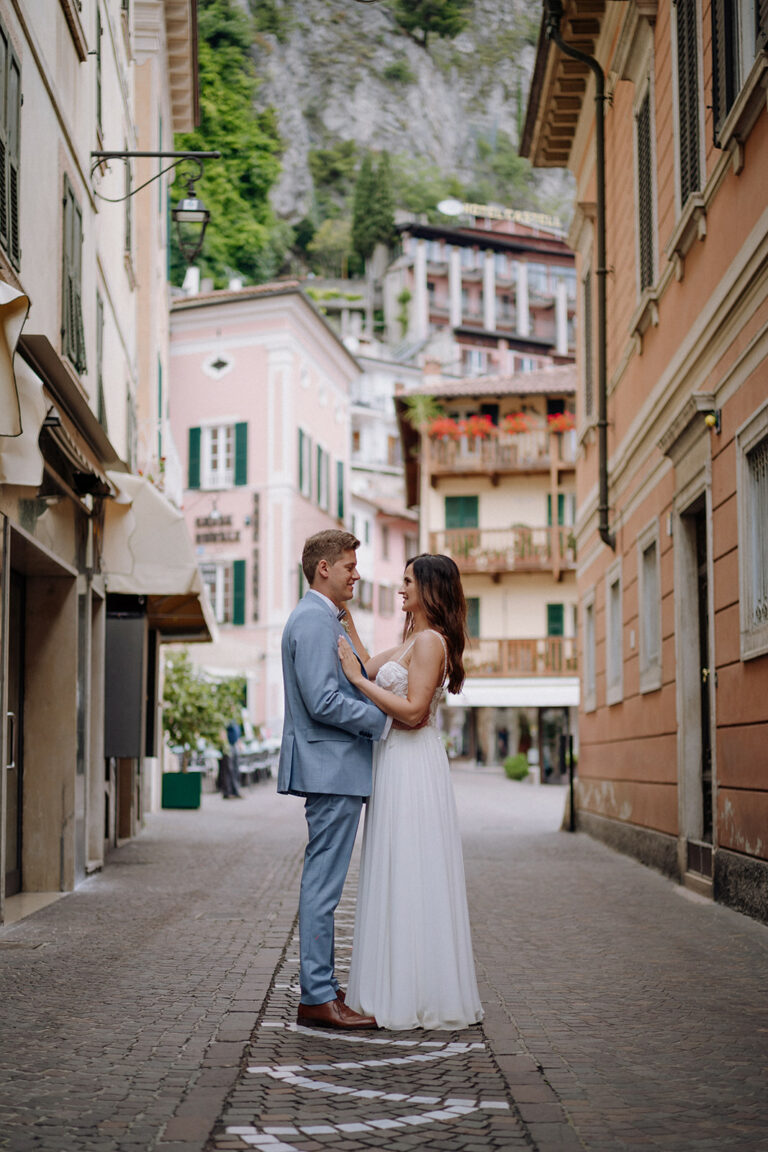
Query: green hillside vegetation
[356,192]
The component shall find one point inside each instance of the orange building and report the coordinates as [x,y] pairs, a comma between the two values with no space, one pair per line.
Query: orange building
[672,476]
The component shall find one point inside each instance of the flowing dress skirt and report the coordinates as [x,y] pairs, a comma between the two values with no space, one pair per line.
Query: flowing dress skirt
[412,963]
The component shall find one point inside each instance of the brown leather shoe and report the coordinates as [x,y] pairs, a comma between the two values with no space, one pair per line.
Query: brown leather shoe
[341,995]
[333,1014]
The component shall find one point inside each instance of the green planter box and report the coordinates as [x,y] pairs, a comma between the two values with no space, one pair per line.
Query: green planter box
[182,789]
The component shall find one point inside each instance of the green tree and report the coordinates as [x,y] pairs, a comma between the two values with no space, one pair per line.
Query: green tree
[333,176]
[194,709]
[432,18]
[331,246]
[373,210]
[242,238]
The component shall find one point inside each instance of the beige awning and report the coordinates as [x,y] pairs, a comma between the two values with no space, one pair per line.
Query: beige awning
[14,306]
[147,551]
[517,692]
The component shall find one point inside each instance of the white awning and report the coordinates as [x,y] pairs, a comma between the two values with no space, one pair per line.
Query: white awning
[14,306]
[147,552]
[517,692]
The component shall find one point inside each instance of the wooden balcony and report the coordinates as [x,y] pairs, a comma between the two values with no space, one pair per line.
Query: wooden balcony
[496,551]
[523,656]
[504,454]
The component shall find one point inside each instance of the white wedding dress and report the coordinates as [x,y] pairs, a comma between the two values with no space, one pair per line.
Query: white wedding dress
[412,964]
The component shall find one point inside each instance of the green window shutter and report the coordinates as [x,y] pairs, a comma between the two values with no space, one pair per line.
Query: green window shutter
[238,592]
[555,619]
[301,460]
[560,508]
[4,56]
[340,489]
[193,477]
[473,616]
[302,583]
[461,512]
[13,140]
[241,454]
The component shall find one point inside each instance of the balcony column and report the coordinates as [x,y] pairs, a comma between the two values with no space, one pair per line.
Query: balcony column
[420,308]
[521,304]
[489,293]
[454,285]
[561,318]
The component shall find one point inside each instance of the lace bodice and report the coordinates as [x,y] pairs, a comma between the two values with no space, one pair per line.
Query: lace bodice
[394,677]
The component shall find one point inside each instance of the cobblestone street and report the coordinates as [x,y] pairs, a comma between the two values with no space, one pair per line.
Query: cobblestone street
[154,1008]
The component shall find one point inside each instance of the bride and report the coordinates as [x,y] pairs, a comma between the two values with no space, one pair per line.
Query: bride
[412,964]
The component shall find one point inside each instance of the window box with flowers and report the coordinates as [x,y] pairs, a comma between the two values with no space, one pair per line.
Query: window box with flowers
[561,422]
[444,428]
[515,423]
[477,427]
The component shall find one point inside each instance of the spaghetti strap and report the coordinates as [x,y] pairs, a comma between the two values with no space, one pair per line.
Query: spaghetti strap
[445,651]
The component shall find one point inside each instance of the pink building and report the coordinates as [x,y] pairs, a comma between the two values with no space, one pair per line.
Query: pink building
[260,407]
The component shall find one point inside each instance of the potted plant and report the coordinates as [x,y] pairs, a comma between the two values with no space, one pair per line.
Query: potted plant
[443,427]
[195,711]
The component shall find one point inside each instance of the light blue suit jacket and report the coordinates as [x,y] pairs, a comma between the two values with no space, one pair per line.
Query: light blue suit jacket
[329,726]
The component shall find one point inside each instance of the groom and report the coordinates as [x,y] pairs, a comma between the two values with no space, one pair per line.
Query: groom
[326,757]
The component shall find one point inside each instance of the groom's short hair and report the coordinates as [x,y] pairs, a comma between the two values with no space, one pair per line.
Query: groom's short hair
[329,545]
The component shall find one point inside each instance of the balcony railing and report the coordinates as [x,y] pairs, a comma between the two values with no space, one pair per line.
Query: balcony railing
[539,656]
[533,451]
[499,550]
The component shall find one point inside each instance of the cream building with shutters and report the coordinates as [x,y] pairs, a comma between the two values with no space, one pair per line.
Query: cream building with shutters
[501,502]
[261,390]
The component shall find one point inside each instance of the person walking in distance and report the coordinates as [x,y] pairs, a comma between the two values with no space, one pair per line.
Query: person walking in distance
[325,757]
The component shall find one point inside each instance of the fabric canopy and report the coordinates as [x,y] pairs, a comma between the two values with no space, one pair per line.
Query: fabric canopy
[147,552]
[517,692]
[14,307]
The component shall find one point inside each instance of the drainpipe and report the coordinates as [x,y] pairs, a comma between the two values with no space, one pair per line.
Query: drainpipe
[553,15]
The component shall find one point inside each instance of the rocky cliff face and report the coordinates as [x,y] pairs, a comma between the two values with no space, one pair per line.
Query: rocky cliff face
[342,70]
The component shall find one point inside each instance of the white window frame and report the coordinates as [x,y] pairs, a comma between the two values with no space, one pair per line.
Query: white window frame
[614,668]
[589,653]
[220,589]
[224,475]
[649,614]
[754,637]
[305,464]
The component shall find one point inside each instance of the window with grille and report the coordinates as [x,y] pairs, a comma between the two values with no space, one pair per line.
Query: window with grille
[614,654]
[688,97]
[10,135]
[645,213]
[72,331]
[752,491]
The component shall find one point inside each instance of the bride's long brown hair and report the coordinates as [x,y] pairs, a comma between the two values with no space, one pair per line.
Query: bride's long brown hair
[442,596]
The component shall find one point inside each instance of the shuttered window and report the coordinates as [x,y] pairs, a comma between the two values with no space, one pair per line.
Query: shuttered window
[101,406]
[10,135]
[725,61]
[555,619]
[241,454]
[645,193]
[461,512]
[72,332]
[761,16]
[340,489]
[589,357]
[688,97]
[193,466]
[238,592]
[473,616]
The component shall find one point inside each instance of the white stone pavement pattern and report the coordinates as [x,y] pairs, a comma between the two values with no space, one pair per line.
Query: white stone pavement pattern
[154,1007]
